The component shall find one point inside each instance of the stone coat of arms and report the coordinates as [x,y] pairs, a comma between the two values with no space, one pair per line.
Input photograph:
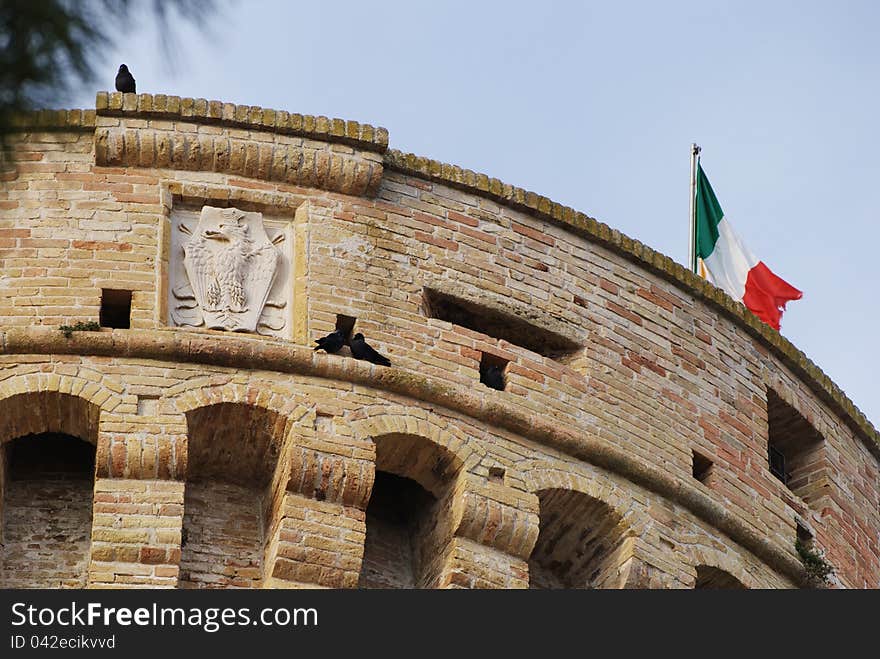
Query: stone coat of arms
[231,265]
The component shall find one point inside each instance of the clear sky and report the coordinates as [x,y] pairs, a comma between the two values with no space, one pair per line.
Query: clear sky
[595,105]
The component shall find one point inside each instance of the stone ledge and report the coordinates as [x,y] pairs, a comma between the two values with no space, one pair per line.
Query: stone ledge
[494,408]
[200,110]
[651,260]
[49,120]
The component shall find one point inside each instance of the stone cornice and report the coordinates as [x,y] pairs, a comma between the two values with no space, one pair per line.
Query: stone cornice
[496,409]
[587,227]
[203,111]
[52,120]
[252,117]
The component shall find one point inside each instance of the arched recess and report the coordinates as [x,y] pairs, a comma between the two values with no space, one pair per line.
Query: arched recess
[254,392]
[47,474]
[232,459]
[724,568]
[588,530]
[409,516]
[581,542]
[713,578]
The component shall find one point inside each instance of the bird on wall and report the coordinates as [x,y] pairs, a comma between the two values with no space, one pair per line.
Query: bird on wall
[493,376]
[124,80]
[332,342]
[360,349]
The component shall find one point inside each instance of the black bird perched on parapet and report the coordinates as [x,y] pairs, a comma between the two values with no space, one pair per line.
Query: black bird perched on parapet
[493,376]
[360,349]
[124,80]
[332,342]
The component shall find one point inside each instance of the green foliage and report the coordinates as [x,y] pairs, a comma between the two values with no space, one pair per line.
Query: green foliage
[818,569]
[79,326]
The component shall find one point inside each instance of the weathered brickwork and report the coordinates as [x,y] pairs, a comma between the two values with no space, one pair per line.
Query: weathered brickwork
[46,535]
[223,533]
[233,460]
[136,533]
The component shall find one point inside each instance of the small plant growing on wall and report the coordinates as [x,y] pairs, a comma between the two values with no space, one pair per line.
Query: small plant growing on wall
[90,326]
[818,569]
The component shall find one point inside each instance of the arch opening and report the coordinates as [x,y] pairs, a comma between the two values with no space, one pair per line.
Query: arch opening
[232,454]
[713,578]
[581,543]
[399,508]
[39,412]
[48,485]
[408,518]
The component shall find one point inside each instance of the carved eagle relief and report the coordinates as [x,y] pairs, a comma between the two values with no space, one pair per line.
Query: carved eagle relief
[231,265]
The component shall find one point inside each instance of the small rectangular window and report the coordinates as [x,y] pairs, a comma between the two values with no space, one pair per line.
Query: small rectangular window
[796,451]
[496,475]
[345,324]
[498,324]
[147,405]
[115,308]
[493,371]
[777,463]
[803,534]
[702,467]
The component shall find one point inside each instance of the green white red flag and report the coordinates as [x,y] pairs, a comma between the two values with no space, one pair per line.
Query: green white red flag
[728,264]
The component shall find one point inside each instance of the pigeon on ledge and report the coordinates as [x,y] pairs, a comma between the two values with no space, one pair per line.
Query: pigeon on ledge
[332,342]
[360,349]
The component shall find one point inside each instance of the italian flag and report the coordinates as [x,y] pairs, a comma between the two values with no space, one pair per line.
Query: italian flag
[727,263]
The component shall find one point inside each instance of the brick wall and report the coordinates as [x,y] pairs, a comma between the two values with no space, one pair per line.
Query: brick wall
[388,555]
[136,533]
[47,495]
[47,527]
[660,365]
[223,527]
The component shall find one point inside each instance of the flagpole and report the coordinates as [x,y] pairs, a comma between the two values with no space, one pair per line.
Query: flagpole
[692,210]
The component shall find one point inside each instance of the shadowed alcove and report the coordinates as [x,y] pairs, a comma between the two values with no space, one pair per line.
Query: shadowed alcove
[408,516]
[47,477]
[232,456]
[580,543]
[713,578]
